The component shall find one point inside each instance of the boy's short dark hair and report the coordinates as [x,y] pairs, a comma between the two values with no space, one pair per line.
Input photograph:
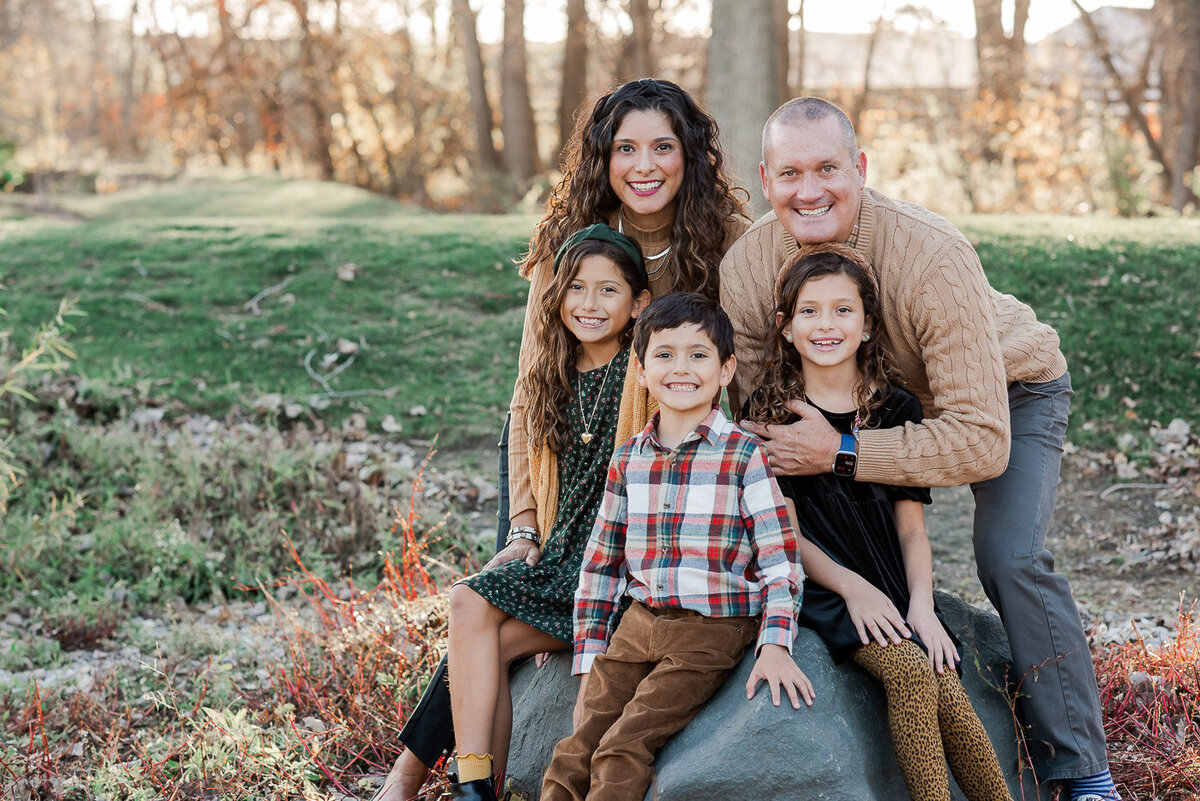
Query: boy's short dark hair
[680,309]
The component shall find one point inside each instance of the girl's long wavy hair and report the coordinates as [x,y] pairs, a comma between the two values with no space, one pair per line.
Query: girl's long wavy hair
[549,379]
[784,376]
[705,201]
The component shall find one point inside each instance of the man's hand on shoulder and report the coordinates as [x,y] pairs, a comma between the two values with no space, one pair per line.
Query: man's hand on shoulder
[803,448]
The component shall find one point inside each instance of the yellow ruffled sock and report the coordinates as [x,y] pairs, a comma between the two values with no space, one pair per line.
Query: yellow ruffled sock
[474,766]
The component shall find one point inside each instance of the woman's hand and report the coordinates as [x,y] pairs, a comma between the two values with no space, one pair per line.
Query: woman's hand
[540,660]
[873,613]
[942,653]
[517,549]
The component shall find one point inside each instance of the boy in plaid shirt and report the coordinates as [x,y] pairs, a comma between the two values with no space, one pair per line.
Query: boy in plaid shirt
[694,529]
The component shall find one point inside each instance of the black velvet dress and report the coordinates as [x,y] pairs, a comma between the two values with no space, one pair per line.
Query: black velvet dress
[854,523]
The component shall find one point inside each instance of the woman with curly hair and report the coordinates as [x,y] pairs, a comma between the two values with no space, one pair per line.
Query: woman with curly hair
[647,162]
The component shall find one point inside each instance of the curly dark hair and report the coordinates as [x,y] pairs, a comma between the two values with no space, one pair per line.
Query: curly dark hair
[705,201]
[784,376]
[558,352]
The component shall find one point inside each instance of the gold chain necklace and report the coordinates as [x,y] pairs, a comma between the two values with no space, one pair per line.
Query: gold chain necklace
[659,255]
[854,427]
[587,435]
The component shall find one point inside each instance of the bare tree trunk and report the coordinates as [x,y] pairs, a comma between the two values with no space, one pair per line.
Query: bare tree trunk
[801,52]
[1001,61]
[860,102]
[742,86]
[129,136]
[520,135]
[95,76]
[314,76]
[1181,94]
[782,90]
[639,58]
[1001,57]
[574,81]
[412,179]
[481,107]
[1133,106]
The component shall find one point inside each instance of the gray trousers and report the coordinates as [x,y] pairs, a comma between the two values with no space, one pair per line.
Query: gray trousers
[1059,701]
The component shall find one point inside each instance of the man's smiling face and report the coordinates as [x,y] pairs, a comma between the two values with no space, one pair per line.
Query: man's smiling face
[813,180]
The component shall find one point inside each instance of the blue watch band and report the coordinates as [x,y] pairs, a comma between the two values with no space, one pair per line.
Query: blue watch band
[849,443]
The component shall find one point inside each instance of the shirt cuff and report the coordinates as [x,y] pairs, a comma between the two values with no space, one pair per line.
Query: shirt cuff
[778,628]
[586,652]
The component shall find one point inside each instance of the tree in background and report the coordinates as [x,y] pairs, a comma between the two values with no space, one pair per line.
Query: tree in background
[639,61]
[745,84]
[1172,135]
[520,133]
[487,159]
[1181,96]
[400,96]
[573,90]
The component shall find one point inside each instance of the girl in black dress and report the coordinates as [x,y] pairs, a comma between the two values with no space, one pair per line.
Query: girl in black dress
[868,590]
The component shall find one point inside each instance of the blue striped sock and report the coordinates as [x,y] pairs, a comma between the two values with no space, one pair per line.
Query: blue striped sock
[1099,787]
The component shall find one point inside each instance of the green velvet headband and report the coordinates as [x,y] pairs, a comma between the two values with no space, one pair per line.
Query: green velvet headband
[603,233]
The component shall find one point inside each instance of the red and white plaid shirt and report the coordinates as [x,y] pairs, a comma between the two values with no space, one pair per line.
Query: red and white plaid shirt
[701,527]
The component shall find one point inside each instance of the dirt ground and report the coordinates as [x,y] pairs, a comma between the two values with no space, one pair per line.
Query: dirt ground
[1113,546]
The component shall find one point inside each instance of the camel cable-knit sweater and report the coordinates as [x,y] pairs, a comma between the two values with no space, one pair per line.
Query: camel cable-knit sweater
[955,341]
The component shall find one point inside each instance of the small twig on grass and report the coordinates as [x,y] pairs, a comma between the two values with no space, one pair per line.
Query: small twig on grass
[428,332]
[1110,490]
[390,392]
[152,305]
[320,379]
[252,304]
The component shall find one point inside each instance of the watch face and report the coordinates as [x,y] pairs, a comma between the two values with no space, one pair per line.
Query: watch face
[844,463]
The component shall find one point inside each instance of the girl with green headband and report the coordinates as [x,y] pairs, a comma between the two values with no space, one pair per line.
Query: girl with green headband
[583,402]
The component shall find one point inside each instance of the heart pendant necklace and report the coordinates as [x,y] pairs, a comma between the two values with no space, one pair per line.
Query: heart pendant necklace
[587,434]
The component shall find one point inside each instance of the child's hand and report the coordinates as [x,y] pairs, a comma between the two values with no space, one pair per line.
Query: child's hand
[776,666]
[540,660]
[942,653]
[577,713]
[519,549]
[874,614]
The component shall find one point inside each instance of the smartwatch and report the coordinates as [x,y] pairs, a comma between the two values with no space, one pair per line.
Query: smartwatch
[845,462]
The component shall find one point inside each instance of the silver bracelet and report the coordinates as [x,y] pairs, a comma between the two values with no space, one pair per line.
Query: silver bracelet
[523,533]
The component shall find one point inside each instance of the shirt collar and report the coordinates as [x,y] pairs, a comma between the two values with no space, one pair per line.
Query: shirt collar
[714,426]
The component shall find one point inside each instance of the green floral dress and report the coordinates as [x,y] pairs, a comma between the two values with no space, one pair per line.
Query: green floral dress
[543,595]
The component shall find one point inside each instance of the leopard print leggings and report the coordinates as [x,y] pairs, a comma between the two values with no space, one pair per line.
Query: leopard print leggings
[932,722]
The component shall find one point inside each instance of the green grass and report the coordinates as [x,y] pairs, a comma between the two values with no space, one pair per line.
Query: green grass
[164,276]
[1124,296]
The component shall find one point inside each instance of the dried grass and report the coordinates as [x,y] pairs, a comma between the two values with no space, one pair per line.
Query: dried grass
[1151,707]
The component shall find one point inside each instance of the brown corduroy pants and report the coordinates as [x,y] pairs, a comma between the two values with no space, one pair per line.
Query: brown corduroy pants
[660,669]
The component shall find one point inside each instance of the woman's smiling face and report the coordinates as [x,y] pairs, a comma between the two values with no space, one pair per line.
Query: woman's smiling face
[646,166]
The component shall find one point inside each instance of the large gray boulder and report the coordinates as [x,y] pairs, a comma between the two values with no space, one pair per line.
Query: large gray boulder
[838,749]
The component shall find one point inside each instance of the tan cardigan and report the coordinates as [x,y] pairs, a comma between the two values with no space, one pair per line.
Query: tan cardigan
[956,342]
[520,492]
[636,408]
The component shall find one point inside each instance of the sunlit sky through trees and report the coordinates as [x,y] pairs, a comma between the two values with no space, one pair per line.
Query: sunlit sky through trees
[545,19]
